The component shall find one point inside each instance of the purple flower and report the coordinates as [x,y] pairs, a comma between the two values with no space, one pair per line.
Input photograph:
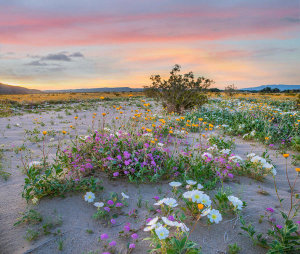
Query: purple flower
[158,210]
[106,252]
[112,243]
[126,172]
[146,145]
[148,220]
[119,204]
[156,198]
[113,221]
[279,226]
[115,174]
[104,236]
[171,218]
[230,175]
[127,227]
[119,157]
[271,210]
[131,246]
[298,222]
[127,162]
[126,155]
[110,202]
[107,209]
[134,236]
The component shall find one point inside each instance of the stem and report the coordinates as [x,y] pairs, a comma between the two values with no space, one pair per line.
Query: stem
[277,192]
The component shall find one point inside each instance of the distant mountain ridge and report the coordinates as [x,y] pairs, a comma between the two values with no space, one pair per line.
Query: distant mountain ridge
[8,89]
[281,87]
[97,90]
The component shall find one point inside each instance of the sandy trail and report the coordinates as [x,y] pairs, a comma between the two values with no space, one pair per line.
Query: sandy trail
[77,214]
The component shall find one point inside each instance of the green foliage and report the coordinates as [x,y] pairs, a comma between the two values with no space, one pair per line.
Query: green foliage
[283,239]
[179,92]
[233,248]
[30,216]
[52,183]
[3,173]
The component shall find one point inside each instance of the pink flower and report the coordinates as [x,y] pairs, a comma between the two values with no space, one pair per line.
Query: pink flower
[134,236]
[131,246]
[119,204]
[279,226]
[112,243]
[113,221]
[271,210]
[127,227]
[110,202]
[104,236]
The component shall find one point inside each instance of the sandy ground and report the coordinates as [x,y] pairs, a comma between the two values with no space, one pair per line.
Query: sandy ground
[76,214]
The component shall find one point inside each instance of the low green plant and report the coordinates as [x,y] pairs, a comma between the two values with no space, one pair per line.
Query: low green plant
[233,248]
[53,182]
[30,216]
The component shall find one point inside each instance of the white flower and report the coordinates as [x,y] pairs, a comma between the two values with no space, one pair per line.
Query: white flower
[225,151]
[245,135]
[124,195]
[184,228]
[188,194]
[89,197]
[199,186]
[170,202]
[206,155]
[197,196]
[250,155]
[205,212]
[99,204]
[267,165]
[191,182]
[236,202]
[235,158]
[214,216]
[160,202]
[205,200]
[255,159]
[153,221]
[35,200]
[175,184]
[274,172]
[169,222]
[160,144]
[107,129]
[162,232]
[252,133]
[34,163]
[51,139]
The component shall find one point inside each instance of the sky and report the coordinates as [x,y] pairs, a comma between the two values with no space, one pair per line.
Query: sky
[69,44]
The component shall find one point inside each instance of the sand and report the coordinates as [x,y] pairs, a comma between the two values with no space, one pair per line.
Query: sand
[76,214]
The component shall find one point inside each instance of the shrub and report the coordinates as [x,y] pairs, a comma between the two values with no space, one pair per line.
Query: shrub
[179,92]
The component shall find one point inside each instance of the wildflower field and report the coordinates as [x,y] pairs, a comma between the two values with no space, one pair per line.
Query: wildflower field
[118,173]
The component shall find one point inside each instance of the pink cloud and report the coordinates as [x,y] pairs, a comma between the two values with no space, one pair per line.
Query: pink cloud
[30,28]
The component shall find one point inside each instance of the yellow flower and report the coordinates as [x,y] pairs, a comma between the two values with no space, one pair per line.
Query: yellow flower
[170,131]
[71,126]
[64,132]
[153,125]
[200,206]
[266,138]
[285,155]
[102,98]
[95,114]
[104,114]
[44,132]
[76,117]
[149,130]
[152,141]
[200,119]
[297,169]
